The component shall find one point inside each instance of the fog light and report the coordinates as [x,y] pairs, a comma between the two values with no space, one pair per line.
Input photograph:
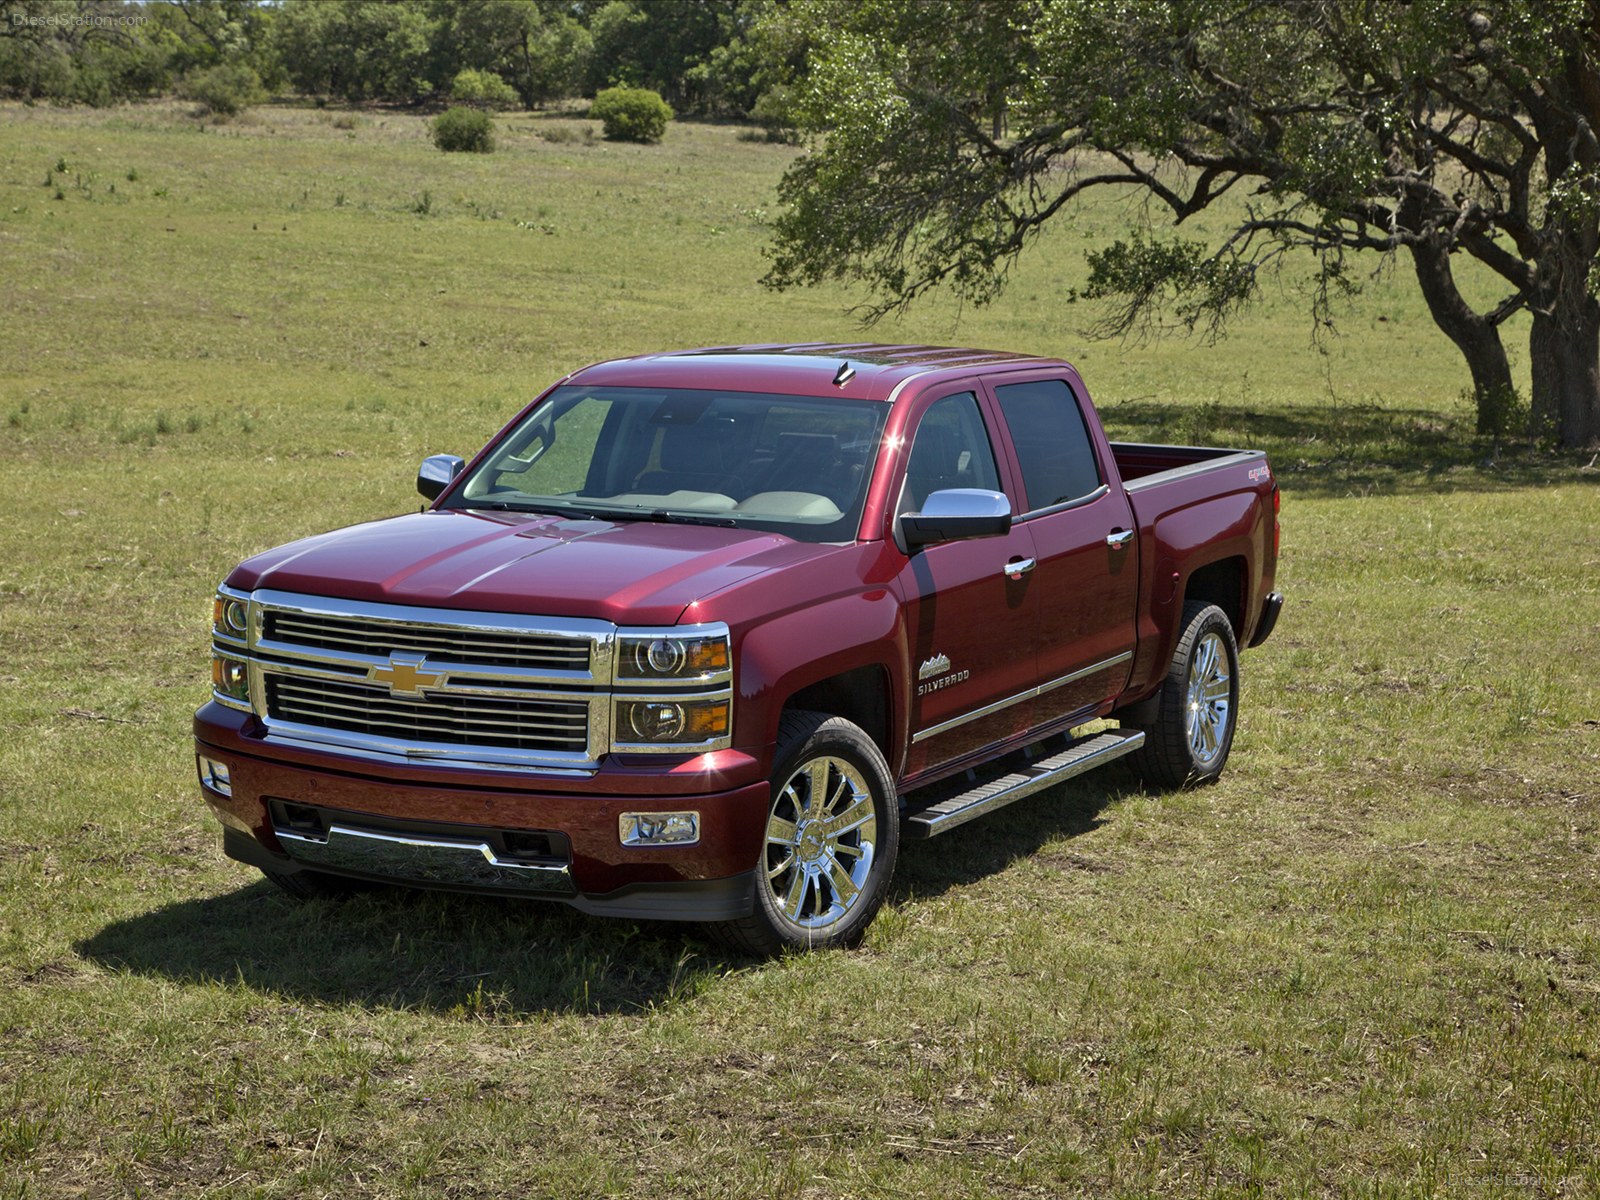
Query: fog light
[214,775]
[659,828]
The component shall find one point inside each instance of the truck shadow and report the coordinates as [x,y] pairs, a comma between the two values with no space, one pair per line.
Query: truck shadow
[988,845]
[488,958]
[485,958]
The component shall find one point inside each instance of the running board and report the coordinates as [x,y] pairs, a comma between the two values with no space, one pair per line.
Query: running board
[1085,755]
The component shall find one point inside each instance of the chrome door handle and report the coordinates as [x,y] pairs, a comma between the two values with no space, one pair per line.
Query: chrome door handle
[1018,567]
[1119,541]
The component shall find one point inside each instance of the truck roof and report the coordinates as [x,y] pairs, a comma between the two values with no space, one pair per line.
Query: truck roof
[860,370]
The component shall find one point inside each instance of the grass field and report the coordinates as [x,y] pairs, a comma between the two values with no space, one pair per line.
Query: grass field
[1367,964]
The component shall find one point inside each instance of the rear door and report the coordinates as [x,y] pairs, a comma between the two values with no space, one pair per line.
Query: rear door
[1081,525]
[972,623]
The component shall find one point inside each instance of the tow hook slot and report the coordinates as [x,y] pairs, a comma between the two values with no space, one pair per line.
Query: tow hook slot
[298,818]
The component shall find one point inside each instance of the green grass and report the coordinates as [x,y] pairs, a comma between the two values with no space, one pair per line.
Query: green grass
[1366,964]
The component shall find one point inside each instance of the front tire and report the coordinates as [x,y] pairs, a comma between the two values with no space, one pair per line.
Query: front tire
[832,838]
[1197,708]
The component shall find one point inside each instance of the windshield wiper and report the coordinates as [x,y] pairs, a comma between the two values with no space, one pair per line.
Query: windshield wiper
[602,512]
[668,517]
[664,516]
[543,510]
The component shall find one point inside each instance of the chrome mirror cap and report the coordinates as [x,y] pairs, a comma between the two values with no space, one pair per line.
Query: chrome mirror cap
[955,514]
[437,472]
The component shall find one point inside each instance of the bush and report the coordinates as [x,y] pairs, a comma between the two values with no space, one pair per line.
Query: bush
[484,89]
[228,89]
[631,114]
[777,110]
[458,129]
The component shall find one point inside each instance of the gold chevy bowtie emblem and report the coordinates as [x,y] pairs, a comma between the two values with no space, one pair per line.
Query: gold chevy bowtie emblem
[405,675]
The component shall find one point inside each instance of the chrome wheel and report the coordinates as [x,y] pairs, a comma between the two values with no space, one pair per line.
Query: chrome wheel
[822,839]
[1208,710]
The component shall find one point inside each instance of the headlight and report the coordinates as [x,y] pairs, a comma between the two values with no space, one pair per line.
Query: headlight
[671,722]
[673,689]
[229,617]
[230,679]
[671,655]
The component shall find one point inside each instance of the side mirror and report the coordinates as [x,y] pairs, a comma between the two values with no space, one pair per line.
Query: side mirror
[953,515]
[437,472]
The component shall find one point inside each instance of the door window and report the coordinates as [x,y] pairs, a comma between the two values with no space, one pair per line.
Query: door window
[951,450]
[1052,442]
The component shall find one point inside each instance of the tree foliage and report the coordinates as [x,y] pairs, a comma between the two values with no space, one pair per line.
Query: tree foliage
[707,56]
[956,131]
[483,89]
[100,52]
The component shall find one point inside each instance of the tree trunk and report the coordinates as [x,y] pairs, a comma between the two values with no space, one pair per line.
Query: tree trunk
[1475,335]
[1564,349]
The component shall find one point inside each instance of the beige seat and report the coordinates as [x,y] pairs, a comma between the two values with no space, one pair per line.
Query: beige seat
[683,500]
[796,506]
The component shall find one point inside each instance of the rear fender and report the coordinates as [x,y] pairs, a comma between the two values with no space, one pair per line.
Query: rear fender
[1179,546]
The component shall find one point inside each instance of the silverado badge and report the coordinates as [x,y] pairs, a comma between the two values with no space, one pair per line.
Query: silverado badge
[937,665]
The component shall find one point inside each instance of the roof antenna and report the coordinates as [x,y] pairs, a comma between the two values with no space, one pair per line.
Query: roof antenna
[845,374]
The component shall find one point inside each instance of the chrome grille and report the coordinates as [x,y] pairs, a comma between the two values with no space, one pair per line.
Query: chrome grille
[447,718]
[439,642]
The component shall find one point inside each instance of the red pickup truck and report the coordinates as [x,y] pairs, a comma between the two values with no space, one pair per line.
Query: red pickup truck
[702,635]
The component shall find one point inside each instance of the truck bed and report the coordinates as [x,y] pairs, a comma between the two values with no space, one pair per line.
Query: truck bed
[1145,464]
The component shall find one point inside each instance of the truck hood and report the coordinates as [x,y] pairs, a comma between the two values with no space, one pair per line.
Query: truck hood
[634,572]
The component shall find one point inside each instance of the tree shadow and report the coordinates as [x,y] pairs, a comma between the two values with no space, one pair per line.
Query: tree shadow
[1337,450]
[495,958]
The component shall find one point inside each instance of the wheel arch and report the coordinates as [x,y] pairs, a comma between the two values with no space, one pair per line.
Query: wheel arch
[861,696]
[1221,583]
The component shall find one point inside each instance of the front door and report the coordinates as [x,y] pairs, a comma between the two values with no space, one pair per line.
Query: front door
[971,621]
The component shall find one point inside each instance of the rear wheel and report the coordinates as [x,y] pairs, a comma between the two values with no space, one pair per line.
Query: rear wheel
[1197,708]
[832,837]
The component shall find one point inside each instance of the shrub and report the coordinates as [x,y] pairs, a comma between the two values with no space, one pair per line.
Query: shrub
[463,129]
[228,89]
[631,114]
[776,110]
[483,89]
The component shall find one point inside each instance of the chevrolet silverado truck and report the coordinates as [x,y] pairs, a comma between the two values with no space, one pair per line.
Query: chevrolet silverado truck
[703,635]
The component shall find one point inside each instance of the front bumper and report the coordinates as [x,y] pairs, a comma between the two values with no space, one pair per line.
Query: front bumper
[508,833]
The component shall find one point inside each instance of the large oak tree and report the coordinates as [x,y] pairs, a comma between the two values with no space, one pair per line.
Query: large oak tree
[950,133]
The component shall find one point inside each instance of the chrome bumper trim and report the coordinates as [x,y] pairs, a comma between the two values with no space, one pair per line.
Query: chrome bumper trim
[442,862]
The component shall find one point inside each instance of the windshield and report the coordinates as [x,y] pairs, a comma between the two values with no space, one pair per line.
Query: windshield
[792,464]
